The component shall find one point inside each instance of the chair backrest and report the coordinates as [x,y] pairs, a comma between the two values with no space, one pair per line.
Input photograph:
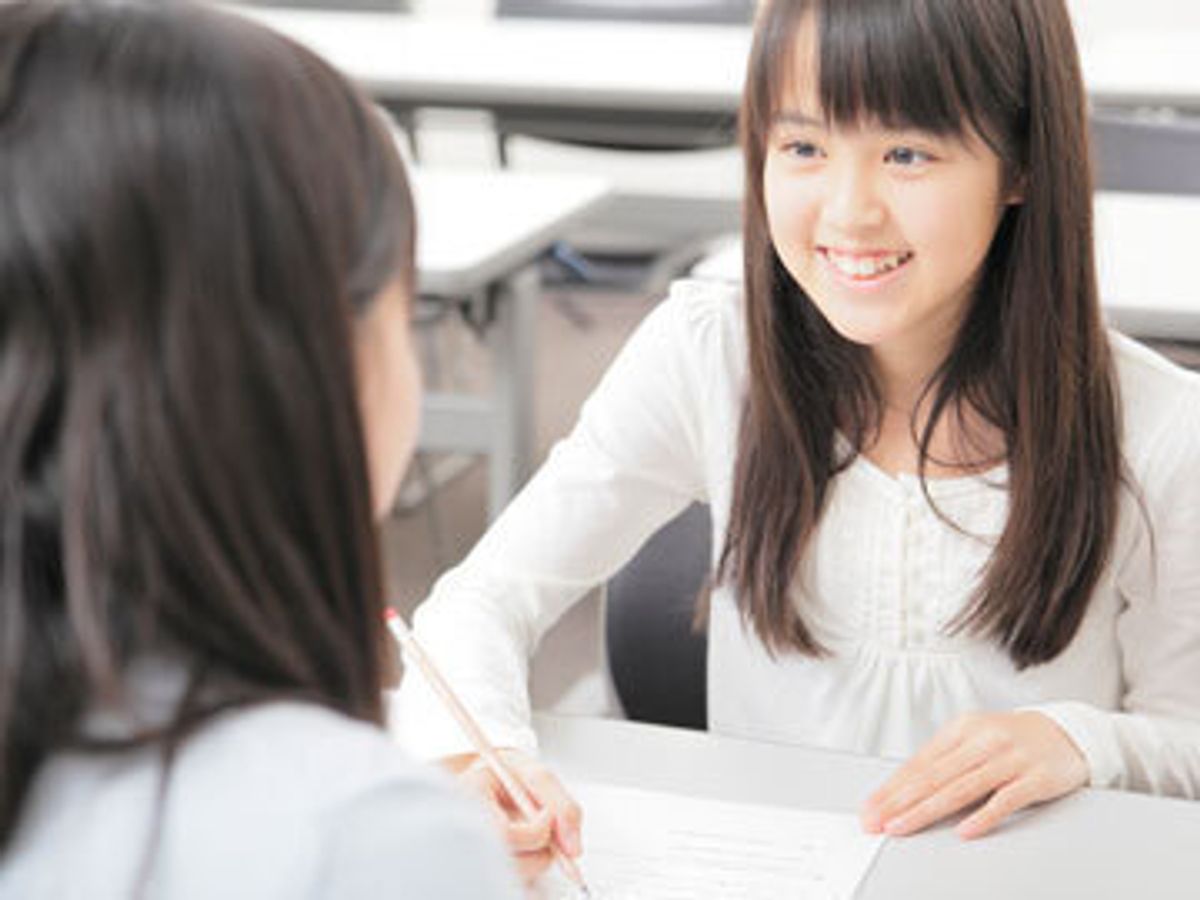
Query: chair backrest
[729,12]
[658,662]
[1146,153]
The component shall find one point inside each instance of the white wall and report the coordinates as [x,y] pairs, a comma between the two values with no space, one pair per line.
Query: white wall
[460,8]
[1092,16]
[1088,13]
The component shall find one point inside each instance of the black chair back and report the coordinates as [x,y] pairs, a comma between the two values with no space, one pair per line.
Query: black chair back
[659,663]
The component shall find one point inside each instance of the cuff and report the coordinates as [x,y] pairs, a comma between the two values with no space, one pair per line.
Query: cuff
[427,732]
[1092,731]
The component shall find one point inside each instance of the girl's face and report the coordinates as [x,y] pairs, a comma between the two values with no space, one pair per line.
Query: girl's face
[389,392]
[885,230]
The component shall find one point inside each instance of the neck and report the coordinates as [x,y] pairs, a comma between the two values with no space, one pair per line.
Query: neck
[905,365]
[903,373]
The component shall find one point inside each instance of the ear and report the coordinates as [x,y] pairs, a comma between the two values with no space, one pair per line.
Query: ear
[1015,195]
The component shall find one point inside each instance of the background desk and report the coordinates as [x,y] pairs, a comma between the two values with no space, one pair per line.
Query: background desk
[1098,845]
[568,69]
[560,69]
[479,235]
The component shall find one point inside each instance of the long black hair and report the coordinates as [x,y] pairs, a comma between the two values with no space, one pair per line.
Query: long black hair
[193,210]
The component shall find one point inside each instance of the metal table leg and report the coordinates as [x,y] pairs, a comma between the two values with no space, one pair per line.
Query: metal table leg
[511,340]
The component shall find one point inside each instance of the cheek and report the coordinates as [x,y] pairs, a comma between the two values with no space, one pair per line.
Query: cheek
[399,406]
[959,214]
[408,390]
[791,213]
[391,403]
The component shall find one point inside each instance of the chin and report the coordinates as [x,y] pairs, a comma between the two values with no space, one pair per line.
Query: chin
[866,331]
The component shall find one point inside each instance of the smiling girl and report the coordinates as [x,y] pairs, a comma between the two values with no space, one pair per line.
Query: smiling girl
[955,519]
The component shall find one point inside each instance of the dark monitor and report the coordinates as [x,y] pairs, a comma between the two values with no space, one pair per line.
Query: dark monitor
[1146,152]
[717,12]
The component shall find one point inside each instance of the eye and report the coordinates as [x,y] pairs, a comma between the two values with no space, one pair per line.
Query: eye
[908,156]
[802,149]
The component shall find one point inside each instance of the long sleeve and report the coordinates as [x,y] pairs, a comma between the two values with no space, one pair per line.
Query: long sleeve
[633,460]
[1153,743]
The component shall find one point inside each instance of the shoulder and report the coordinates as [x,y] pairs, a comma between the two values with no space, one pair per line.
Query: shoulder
[687,345]
[699,324]
[315,755]
[1160,404]
[264,802]
[341,795]
[704,309]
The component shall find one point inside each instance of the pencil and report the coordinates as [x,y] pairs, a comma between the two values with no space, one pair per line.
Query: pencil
[517,792]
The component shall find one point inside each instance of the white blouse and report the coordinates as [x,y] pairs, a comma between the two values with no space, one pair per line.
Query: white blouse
[883,577]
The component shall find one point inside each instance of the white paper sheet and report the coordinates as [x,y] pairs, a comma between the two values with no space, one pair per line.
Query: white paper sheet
[650,845]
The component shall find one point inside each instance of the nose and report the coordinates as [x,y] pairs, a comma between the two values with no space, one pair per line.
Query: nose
[853,203]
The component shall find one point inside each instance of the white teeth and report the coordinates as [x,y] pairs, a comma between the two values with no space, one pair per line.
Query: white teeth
[867,266]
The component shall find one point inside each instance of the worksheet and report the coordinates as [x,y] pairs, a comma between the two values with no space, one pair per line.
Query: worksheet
[651,845]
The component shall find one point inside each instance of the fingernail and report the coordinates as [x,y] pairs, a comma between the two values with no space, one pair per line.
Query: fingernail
[896,826]
[569,838]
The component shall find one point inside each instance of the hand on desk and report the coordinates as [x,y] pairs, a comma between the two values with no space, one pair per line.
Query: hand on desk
[529,841]
[1012,760]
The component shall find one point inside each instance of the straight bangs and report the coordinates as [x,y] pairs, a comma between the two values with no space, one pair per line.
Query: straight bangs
[901,64]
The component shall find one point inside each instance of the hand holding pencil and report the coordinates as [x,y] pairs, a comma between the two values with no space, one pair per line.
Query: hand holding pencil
[541,819]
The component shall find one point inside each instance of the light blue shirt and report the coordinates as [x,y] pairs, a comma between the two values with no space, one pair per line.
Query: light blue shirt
[285,800]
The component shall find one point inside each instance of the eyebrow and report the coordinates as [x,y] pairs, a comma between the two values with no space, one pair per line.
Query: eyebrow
[795,117]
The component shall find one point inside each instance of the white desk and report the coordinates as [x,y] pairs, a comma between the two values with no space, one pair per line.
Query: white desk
[1138,67]
[518,62]
[479,235]
[1098,845]
[1144,244]
[1144,247]
[567,68]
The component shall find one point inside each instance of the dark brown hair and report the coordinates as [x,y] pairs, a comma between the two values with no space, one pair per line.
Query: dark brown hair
[193,210]
[1032,357]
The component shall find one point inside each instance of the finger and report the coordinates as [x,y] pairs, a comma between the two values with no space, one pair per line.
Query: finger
[480,780]
[530,835]
[924,782]
[1006,801]
[549,792]
[530,866]
[945,741]
[458,763]
[483,780]
[963,791]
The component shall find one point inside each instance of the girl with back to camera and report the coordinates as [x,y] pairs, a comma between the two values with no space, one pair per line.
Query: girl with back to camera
[206,394]
[954,518]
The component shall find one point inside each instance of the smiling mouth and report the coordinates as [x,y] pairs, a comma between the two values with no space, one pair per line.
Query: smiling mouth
[865,267]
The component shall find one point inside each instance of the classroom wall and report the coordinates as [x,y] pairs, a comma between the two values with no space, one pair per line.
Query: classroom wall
[1101,13]
[476,8]
[1096,15]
